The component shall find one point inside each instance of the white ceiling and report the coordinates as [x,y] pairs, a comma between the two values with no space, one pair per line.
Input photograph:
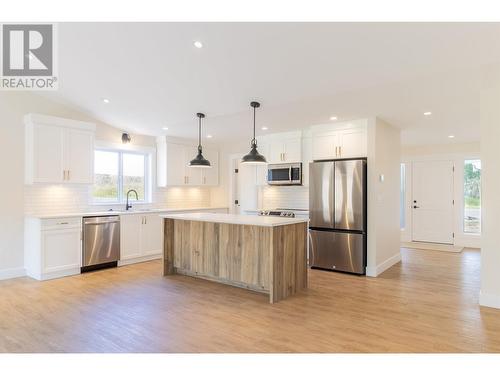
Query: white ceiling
[302,73]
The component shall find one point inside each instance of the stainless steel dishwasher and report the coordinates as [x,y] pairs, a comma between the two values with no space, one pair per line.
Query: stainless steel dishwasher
[101,242]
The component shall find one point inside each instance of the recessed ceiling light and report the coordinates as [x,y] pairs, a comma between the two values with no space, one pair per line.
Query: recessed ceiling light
[264,128]
[451,136]
[209,135]
[198,44]
[105,100]
[333,118]
[165,128]
[427,113]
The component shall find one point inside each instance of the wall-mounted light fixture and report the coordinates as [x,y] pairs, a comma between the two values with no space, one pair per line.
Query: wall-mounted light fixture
[126,138]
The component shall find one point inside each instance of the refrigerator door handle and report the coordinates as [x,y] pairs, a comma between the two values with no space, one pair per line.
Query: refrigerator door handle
[311,249]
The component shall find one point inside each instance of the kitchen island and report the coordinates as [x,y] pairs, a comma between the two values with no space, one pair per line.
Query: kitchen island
[263,253]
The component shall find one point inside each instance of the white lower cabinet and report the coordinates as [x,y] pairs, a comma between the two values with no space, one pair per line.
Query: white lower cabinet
[53,247]
[141,237]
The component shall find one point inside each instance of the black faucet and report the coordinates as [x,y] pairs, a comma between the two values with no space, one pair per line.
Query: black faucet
[136,198]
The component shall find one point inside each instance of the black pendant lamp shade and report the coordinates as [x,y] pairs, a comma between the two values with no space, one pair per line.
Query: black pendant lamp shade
[199,161]
[253,157]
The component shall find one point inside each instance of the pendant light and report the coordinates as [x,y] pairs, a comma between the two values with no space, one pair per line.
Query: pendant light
[199,161]
[253,157]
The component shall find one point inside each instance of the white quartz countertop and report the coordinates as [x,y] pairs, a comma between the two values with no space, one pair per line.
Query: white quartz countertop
[123,212]
[263,221]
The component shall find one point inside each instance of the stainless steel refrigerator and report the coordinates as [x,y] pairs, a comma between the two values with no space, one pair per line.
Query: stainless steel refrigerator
[337,205]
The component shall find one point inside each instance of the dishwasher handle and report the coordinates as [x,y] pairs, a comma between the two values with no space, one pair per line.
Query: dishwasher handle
[101,220]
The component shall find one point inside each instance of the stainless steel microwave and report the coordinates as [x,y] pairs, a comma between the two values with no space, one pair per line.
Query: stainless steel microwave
[284,174]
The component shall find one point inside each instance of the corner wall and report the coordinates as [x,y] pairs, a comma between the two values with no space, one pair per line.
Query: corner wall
[490,162]
[384,155]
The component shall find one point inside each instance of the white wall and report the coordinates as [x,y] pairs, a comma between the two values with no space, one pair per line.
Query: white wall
[457,153]
[16,199]
[490,158]
[384,155]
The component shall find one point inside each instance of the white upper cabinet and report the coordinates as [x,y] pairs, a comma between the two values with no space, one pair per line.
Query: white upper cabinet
[284,147]
[79,156]
[44,153]
[339,141]
[353,143]
[325,146]
[172,165]
[58,150]
[210,176]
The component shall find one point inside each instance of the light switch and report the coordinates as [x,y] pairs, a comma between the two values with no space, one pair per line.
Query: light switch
[381,178]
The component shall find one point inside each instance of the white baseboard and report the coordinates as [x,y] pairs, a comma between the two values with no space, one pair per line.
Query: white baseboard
[11,273]
[146,258]
[384,266]
[432,246]
[489,300]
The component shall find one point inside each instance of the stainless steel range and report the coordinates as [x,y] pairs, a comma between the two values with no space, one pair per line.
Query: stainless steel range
[281,213]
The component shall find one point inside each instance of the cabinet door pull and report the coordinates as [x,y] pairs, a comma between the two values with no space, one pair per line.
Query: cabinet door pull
[340,151]
[69,178]
[64,175]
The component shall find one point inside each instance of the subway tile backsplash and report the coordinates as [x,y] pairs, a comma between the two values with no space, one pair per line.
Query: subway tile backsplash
[54,199]
[284,197]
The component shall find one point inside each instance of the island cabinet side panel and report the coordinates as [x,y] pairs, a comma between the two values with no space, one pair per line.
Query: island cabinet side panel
[209,255]
[168,247]
[289,261]
[244,256]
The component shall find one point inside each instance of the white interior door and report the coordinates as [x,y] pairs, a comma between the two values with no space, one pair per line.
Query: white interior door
[432,201]
[246,187]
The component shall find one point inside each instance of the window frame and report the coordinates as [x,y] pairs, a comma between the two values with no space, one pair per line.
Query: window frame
[464,232]
[148,176]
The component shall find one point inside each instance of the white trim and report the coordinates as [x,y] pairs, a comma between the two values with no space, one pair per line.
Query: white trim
[147,258]
[432,246]
[384,266]
[34,118]
[124,147]
[11,273]
[489,300]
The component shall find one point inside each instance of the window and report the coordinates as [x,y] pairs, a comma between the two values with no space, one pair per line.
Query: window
[402,198]
[117,172]
[472,196]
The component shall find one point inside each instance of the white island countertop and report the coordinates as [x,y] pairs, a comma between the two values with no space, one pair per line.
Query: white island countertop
[262,221]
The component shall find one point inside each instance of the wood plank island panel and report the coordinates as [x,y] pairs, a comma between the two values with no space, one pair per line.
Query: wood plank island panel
[267,259]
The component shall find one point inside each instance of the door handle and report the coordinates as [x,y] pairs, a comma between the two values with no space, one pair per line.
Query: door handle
[311,249]
[416,207]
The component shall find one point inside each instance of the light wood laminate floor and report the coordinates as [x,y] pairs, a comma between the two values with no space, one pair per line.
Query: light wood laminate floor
[427,303]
